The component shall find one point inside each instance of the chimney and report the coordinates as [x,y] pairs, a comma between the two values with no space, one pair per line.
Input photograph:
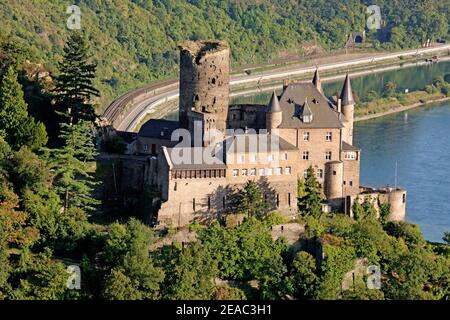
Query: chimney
[339,105]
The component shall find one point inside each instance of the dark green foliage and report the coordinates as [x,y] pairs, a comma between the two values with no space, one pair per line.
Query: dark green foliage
[73,182]
[365,210]
[410,233]
[133,274]
[40,277]
[310,204]
[16,126]
[74,85]
[244,252]
[303,279]
[189,272]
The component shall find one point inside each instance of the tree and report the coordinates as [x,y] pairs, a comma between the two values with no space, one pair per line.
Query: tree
[74,86]
[16,126]
[251,200]
[5,270]
[389,89]
[133,274]
[311,203]
[40,277]
[446,237]
[28,172]
[73,182]
[303,278]
[189,273]
[118,286]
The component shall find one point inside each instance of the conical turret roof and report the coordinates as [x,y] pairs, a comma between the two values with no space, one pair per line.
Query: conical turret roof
[274,104]
[316,81]
[346,94]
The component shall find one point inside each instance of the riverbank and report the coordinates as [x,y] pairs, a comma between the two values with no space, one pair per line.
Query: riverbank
[395,105]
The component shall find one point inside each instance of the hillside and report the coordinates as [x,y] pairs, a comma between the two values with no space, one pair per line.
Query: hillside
[134,42]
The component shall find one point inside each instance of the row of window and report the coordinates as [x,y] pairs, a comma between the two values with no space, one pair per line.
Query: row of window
[254,157]
[305,155]
[271,157]
[262,172]
[328,136]
[273,171]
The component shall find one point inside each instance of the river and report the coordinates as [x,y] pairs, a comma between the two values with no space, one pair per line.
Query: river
[411,78]
[418,141]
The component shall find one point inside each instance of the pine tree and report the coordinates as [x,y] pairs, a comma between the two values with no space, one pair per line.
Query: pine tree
[311,203]
[16,126]
[74,86]
[73,182]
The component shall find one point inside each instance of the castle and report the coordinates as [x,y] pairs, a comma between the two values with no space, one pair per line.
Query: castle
[215,148]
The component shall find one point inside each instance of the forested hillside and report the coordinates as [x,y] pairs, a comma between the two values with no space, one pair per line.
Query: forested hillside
[135,41]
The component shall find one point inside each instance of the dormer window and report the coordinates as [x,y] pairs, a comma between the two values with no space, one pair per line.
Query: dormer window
[307,119]
[306,115]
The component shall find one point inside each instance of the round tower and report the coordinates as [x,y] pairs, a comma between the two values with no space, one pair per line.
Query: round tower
[204,81]
[348,110]
[334,175]
[273,113]
[397,201]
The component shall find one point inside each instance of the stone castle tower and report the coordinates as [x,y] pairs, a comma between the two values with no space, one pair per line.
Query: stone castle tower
[274,115]
[204,84]
[347,105]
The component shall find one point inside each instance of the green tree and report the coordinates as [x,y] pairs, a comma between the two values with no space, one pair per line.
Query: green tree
[189,273]
[251,200]
[303,279]
[133,274]
[16,126]
[119,286]
[41,277]
[74,86]
[73,182]
[311,203]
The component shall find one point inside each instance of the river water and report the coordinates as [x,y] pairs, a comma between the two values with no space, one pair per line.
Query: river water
[411,78]
[418,141]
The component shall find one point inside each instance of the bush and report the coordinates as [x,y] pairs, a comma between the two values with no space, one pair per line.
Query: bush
[275,218]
